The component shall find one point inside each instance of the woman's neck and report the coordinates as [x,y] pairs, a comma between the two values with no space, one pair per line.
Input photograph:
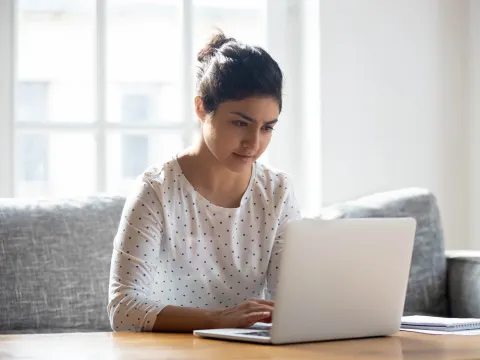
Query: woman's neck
[207,174]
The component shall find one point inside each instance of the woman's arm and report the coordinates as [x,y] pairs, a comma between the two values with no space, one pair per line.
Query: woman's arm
[134,261]
[185,319]
[288,211]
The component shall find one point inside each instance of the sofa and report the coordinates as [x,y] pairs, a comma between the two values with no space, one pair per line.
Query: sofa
[55,260]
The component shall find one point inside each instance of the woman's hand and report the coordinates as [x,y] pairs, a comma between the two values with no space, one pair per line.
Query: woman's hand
[245,314]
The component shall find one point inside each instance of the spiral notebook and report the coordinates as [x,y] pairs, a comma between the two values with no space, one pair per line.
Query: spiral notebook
[419,322]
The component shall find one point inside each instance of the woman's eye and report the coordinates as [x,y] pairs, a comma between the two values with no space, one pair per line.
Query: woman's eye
[239,123]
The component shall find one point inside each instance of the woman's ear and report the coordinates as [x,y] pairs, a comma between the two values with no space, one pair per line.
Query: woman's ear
[200,109]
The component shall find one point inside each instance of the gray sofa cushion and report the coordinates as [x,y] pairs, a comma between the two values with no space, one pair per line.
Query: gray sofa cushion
[54,262]
[464,283]
[427,286]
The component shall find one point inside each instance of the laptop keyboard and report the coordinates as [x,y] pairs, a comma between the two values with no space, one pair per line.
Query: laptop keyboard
[265,333]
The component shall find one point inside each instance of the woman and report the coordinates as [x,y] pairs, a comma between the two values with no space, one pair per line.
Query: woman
[199,240]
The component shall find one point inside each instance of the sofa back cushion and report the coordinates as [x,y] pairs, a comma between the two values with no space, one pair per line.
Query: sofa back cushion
[427,285]
[55,262]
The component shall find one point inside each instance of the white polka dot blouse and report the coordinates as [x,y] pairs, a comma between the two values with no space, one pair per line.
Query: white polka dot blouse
[174,247]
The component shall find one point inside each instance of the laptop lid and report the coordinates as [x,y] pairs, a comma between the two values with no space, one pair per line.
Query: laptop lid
[342,278]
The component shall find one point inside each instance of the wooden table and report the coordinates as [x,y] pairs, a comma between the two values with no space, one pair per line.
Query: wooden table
[147,346]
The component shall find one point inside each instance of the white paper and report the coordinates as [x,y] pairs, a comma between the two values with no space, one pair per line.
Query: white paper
[438,321]
[439,332]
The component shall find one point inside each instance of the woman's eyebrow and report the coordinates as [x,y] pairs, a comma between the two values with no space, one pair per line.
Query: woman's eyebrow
[248,118]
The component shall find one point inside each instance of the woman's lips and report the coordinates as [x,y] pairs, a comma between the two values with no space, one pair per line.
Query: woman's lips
[244,157]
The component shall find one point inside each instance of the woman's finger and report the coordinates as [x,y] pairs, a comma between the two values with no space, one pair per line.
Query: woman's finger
[257,316]
[262,301]
[258,308]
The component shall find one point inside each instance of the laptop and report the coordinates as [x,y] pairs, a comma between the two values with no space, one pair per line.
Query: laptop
[338,279]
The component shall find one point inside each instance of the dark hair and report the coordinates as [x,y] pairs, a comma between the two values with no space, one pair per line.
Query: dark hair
[232,70]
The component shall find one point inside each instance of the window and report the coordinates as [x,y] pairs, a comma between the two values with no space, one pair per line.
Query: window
[145,103]
[135,108]
[32,101]
[57,163]
[134,155]
[138,105]
[101,89]
[33,150]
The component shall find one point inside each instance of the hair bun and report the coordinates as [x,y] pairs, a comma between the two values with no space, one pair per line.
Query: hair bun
[212,46]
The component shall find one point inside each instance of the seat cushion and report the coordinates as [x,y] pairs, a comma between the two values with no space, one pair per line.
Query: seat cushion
[55,262]
[427,285]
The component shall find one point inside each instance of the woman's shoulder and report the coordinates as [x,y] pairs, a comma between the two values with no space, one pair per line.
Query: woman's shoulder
[276,179]
[161,173]
[155,180]
[276,189]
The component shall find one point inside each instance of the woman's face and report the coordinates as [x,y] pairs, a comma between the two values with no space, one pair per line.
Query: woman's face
[239,131]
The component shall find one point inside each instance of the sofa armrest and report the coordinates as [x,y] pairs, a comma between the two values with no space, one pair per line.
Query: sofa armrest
[464,283]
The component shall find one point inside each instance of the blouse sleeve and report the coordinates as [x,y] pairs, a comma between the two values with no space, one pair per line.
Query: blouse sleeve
[135,254]
[289,211]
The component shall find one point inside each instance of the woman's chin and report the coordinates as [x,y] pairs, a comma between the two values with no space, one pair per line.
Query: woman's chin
[239,163]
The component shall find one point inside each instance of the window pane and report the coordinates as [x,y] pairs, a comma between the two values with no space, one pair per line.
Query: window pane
[32,101]
[58,164]
[143,60]
[128,155]
[34,152]
[147,102]
[135,108]
[56,43]
[242,19]
[134,155]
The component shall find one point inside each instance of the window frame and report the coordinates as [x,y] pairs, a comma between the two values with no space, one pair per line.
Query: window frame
[7,100]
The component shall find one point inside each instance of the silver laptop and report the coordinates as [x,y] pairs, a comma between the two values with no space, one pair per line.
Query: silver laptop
[338,279]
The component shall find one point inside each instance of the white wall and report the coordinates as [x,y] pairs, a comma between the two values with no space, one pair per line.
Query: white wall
[474,62]
[394,102]
[295,143]
[310,109]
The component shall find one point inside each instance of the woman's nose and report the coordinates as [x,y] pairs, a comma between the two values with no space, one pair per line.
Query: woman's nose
[252,141]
